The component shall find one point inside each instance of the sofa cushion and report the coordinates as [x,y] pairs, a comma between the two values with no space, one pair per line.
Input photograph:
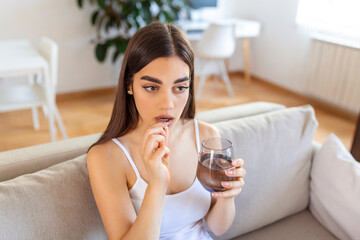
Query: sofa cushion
[277,149]
[335,189]
[237,111]
[299,226]
[54,203]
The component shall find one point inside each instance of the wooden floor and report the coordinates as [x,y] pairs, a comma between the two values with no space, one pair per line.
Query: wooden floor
[89,112]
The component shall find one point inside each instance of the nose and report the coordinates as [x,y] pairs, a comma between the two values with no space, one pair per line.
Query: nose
[166,100]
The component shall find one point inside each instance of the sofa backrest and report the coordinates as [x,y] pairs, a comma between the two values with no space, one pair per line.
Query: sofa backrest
[17,162]
[238,111]
[277,150]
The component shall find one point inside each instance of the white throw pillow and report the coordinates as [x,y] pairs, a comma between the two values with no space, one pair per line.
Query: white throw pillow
[335,189]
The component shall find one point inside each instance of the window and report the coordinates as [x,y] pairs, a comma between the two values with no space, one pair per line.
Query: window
[336,21]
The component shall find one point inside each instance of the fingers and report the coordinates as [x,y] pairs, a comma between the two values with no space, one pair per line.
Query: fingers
[238,172]
[227,194]
[160,128]
[154,137]
[233,184]
[152,143]
[163,154]
[234,189]
[237,162]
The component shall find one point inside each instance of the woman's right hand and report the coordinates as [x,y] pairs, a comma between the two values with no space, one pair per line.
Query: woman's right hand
[155,154]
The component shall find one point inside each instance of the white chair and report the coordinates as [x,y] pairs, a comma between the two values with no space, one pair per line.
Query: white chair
[216,45]
[34,94]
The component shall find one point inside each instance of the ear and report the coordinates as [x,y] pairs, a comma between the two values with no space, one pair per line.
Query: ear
[130,91]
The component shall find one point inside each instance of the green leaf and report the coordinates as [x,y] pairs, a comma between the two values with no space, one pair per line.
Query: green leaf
[108,25]
[162,16]
[121,45]
[135,13]
[128,24]
[159,3]
[128,8]
[170,16]
[94,16]
[115,56]
[137,24]
[80,3]
[100,51]
[102,4]
[145,14]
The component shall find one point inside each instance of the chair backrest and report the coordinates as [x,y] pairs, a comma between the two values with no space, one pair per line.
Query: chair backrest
[49,50]
[218,41]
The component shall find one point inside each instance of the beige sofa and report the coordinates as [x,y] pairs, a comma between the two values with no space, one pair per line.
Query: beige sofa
[45,192]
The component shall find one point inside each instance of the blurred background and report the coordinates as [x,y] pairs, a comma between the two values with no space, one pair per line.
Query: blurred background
[290,52]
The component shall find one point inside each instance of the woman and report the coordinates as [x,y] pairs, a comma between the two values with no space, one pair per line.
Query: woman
[142,169]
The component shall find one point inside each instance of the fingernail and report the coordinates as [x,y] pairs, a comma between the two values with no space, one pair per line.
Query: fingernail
[225,184]
[235,162]
[215,194]
[229,172]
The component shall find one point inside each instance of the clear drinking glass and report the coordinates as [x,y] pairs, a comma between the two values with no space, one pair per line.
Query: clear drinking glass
[215,158]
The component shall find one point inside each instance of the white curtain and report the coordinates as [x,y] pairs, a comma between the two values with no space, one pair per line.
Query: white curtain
[335,19]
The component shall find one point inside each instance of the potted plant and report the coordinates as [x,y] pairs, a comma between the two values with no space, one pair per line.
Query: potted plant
[117,20]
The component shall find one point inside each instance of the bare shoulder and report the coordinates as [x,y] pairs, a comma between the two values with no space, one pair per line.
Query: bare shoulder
[207,130]
[105,159]
[99,154]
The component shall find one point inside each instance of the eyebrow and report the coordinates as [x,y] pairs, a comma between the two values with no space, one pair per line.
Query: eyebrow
[158,81]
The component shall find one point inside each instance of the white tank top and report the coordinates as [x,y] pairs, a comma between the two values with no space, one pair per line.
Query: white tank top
[183,212]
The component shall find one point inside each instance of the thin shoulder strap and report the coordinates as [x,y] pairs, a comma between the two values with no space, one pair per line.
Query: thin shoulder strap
[197,135]
[128,157]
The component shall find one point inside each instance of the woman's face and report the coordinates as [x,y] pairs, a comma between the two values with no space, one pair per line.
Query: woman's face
[161,90]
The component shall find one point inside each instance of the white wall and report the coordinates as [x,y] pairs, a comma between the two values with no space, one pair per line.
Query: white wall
[276,55]
[70,27]
[279,53]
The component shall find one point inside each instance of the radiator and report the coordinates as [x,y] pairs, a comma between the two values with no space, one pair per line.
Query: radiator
[334,75]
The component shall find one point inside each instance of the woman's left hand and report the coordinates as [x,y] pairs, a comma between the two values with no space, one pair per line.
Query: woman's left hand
[233,187]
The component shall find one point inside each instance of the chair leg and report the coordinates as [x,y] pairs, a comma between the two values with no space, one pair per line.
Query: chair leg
[60,123]
[34,111]
[226,78]
[51,121]
[45,111]
[35,117]
[200,86]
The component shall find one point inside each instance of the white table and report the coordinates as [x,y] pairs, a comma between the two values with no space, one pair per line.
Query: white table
[20,58]
[244,29]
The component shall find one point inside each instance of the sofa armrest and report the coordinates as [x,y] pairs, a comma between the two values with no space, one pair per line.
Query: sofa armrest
[237,111]
[17,162]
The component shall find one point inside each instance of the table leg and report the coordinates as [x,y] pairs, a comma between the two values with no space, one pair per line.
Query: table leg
[50,100]
[246,44]
[355,149]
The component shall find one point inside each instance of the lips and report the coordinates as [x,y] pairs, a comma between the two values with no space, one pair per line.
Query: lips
[164,119]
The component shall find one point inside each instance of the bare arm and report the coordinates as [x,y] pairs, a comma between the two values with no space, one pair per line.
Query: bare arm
[222,213]
[113,201]
[222,210]
[109,186]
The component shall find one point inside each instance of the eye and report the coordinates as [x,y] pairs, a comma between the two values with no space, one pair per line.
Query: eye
[181,89]
[150,88]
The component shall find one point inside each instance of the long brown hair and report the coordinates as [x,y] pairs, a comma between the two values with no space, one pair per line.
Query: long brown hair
[150,42]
